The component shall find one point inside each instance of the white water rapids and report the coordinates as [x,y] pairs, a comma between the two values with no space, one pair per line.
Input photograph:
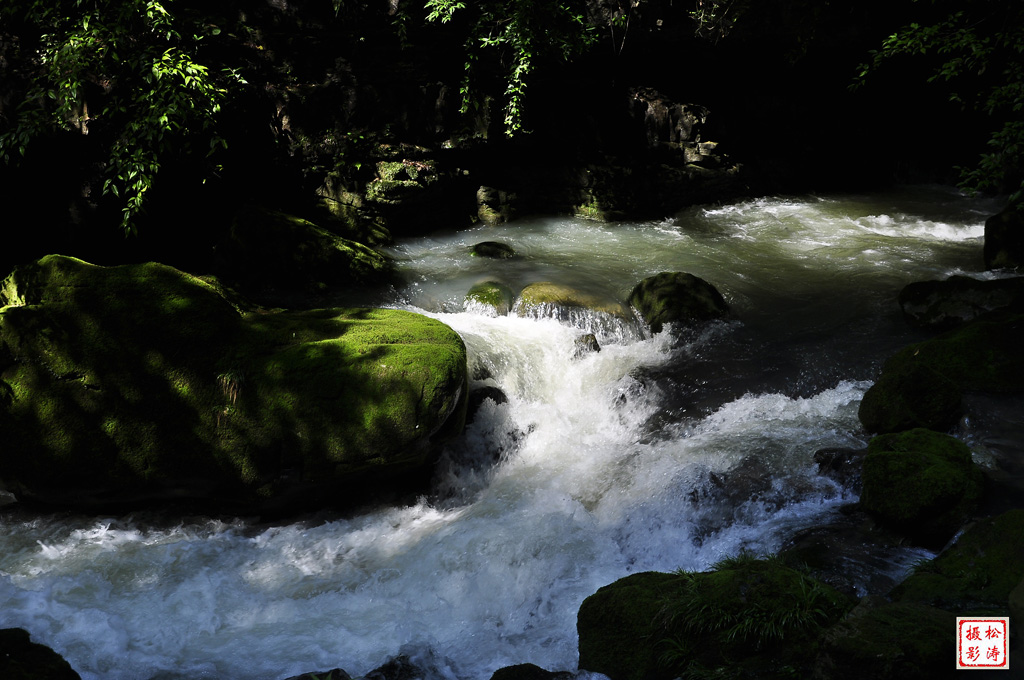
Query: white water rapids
[595,468]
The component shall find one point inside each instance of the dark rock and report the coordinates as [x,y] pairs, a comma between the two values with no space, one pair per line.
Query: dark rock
[585,344]
[978,572]
[958,299]
[493,250]
[141,383]
[494,206]
[921,483]
[676,297]
[922,384]
[1004,240]
[841,464]
[888,641]
[478,395]
[528,671]
[22,659]
[398,668]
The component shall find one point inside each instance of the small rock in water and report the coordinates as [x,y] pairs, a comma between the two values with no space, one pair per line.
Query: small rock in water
[494,250]
[477,397]
[585,344]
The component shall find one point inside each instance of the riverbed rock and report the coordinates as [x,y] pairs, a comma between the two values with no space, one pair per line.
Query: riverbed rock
[922,384]
[977,573]
[529,671]
[921,483]
[545,299]
[745,615]
[265,251]
[138,383]
[888,641]
[957,300]
[22,659]
[493,249]
[1004,240]
[676,297]
[333,674]
[585,344]
[491,297]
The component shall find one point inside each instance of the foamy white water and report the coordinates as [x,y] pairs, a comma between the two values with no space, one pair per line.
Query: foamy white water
[596,467]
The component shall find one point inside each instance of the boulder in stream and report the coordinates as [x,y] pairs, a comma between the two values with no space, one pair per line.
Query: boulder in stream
[921,483]
[546,299]
[22,659]
[491,297]
[676,297]
[494,250]
[121,386]
[957,300]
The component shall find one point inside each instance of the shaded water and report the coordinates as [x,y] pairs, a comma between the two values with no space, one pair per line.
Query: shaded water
[595,468]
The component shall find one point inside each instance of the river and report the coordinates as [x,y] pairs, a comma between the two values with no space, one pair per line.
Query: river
[596,467]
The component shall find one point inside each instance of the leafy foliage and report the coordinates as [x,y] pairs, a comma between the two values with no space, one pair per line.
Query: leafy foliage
[521,33]
[977,50]
[128,70]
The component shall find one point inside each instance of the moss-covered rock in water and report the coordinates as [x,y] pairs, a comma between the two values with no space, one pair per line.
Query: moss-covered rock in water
[920,483]
[266,250]
[676,297]
[977,573]
[747,618]
[139,382]
[922,384]
[888,641]
[493,249]
[492,297]
[22,659]
[554,300]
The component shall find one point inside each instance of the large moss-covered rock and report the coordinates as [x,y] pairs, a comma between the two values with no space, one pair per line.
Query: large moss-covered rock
[921,483]
[676,297]
[546,299]
[922,384]
[976,574]
[22,659]
[746,618]
[120,385]
[888,641]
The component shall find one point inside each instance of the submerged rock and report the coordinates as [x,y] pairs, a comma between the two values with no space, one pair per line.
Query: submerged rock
[22,659]
[921,483]
[676,297]
[140,383]
[493,250]
[958,299]
[922,384]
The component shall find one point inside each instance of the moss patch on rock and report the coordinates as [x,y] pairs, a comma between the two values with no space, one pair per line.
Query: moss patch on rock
[922,384]
[559,301]
[921,483]
[977,573]
[493,296]
[142,382]
[676,297]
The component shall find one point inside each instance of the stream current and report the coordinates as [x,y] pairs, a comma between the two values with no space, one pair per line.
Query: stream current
[656,453]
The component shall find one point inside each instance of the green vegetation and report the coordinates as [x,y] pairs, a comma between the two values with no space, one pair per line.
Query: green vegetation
[976,50]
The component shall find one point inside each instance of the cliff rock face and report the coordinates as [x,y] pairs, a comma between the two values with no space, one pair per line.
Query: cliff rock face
[126,385]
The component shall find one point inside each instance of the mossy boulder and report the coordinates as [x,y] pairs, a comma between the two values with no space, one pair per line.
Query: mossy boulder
[977,574]
[676,297]
[268,251]
[1004,240]
[129,384]
[546,299]
[493,249]
[922,384]
[22,659]
[746,618]
[491,297]
[957,300]
[888,641]
[921,483]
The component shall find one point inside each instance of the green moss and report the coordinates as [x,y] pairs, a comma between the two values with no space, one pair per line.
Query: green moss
[536,296]
[977,573]
[491,294]
[921,483]
[676,297]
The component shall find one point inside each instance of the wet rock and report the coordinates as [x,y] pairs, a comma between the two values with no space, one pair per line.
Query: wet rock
[478,395]
[978,572]
[528,671]
[585,344]
[493,250]
[22,659]
[676,297]
[1004,240]
[494,206]
[921,483]
[492,297]
[958,299]
[922,384]
[841,464]
[547,299]
[888,641]
[398,668]
[140,383]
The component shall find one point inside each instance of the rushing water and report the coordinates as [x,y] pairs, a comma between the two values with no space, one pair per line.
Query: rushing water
[654,453]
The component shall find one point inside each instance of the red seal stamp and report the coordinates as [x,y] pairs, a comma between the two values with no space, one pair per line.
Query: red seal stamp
[983,643]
